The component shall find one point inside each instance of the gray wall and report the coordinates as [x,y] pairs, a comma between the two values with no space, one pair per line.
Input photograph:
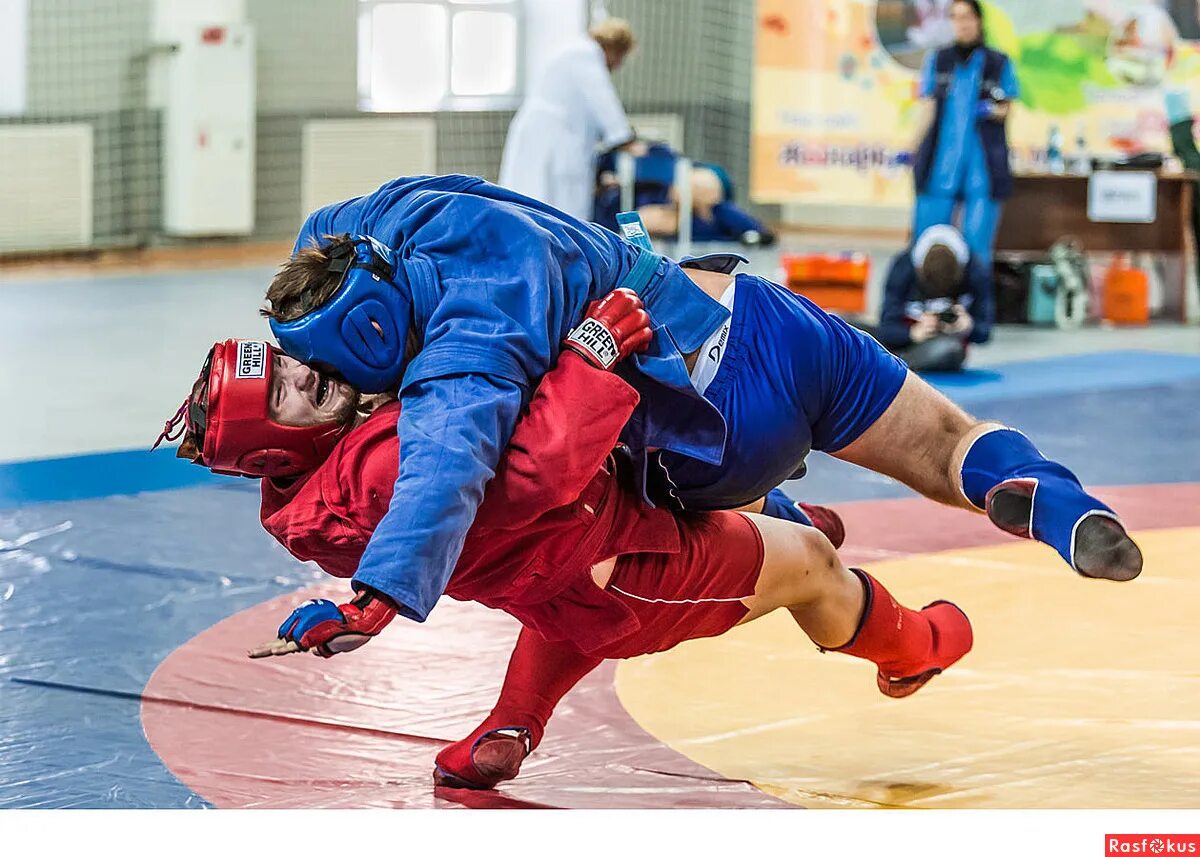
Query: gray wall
[307,57]
[306,69]
[88,62]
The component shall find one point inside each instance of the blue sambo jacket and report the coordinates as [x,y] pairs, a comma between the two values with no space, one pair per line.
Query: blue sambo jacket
[497,282]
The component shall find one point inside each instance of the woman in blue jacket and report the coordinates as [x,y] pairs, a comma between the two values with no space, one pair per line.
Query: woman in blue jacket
[963,158]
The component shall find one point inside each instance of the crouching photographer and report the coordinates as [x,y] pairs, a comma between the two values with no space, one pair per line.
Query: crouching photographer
[937,301]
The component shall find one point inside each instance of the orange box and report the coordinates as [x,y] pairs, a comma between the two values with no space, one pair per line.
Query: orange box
[831,282]
[833,296]
[1126,295]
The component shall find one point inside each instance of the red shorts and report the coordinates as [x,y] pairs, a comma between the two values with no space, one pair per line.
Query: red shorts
[695,593]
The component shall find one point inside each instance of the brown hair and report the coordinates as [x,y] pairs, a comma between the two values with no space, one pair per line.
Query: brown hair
[941,274]
[614,34]
[191,445]
[188,449]
[304,282]
[976,7]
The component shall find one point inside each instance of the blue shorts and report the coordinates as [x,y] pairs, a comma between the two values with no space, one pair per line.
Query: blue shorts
[793,378]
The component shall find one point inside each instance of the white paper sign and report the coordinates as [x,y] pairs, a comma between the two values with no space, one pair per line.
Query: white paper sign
[1122,197]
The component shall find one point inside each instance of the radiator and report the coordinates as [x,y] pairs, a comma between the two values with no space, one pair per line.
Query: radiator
[45,187]
[350,157]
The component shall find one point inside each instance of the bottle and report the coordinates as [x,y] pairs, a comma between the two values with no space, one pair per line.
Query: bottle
[1083,160]
[1054,152]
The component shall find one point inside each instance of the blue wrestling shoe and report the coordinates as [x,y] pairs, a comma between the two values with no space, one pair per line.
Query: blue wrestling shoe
[777,504]
[1100,548]
[1028,495]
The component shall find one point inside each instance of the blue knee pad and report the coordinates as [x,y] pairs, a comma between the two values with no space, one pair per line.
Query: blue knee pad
[1005,458]
[780,505]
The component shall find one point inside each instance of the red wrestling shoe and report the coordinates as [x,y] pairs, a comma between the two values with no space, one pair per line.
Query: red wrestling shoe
[483,761]
[908,646]
[827,521]
[951,638]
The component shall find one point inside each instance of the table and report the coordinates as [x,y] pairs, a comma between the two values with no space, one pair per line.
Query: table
[1045,207]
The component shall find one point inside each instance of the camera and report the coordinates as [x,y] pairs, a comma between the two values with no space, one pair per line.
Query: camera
[947,316]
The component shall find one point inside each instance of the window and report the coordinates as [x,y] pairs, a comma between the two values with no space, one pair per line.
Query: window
[13,35]
[423,55]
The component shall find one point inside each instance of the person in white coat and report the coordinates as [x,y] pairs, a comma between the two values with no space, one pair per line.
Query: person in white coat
[571,110]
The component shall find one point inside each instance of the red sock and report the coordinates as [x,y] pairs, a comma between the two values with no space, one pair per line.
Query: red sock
[539,675]
[907,643]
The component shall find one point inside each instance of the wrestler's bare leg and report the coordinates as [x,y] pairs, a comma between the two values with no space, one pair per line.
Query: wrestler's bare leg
[802,572]
[851,612]
[922,440]
[919,440]
[660,220]
[707,192]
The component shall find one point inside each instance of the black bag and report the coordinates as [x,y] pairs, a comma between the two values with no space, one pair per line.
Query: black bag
[1011,283]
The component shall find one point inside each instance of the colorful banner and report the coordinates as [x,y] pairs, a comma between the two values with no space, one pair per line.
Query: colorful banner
[835,86]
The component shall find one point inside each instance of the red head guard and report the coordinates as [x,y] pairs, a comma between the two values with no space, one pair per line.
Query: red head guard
[227,415]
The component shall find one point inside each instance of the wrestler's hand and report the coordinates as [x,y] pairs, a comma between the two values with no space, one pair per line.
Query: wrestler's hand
[613,327]
[327,629]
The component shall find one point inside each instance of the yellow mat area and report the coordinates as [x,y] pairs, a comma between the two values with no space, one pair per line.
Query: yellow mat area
[1078,693]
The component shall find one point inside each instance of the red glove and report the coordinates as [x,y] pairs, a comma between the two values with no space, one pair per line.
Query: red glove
[324,629]
[612,328]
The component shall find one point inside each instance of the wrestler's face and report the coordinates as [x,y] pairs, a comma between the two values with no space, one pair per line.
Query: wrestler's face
[302,396]
[967,26]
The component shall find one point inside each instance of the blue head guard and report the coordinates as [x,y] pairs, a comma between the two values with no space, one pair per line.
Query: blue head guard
[341,334]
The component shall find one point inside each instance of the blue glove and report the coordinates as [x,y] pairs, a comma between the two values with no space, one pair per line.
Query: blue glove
[904,159]
[307,616]
[983,108]
[328,629]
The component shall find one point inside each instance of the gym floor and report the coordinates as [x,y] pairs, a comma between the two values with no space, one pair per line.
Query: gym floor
[131,585]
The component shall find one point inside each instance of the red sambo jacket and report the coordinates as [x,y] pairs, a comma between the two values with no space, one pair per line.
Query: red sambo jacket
[553,510]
